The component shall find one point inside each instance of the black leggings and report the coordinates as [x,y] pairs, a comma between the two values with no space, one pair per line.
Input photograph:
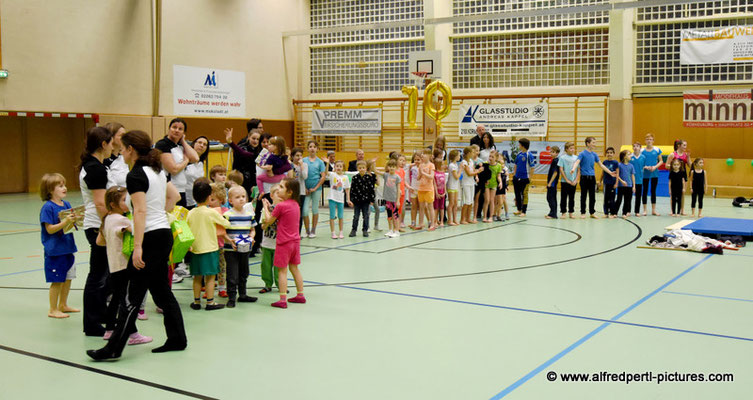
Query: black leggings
[654,181]
[588,188]
[693,197]
[609,199]
[118,281]
[638,195]
[153,277]
[624,195]
[96,289]
[676,202]
[567,201]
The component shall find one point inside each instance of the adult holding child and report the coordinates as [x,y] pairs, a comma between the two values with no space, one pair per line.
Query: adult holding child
[93,183]
[176,155]
[246,151]
[151,196]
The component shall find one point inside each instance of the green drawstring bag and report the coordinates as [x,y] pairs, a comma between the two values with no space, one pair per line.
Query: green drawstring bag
[182,240]
[128,239]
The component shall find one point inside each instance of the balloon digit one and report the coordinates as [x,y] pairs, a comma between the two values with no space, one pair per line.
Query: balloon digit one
[412,93]
[444,111]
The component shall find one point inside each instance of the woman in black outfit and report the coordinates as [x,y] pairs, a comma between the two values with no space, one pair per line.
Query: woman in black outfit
[151,196]
[93,183]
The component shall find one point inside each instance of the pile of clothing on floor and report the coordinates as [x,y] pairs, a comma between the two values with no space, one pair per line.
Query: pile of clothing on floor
[687,240]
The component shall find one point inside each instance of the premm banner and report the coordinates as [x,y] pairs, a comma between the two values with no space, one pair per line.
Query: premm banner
[718,108]
[732,44]
[208,92]
[524,119]
[344,121]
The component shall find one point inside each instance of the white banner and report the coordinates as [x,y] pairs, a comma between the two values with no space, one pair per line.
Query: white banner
[505,119]
[733,44]
[342,121]
[208,92]
[718,108]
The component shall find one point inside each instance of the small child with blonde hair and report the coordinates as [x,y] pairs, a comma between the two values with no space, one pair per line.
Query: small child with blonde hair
[59,246]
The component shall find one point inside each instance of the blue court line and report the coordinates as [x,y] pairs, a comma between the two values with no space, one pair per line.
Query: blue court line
[34,270]
[19,223]
[709,296]
[591,334]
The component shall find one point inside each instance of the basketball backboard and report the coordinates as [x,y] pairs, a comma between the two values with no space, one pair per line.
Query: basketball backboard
[426,63]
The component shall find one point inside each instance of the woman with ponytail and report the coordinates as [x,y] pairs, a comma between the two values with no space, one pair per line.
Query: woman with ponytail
[151,196]
[93,182]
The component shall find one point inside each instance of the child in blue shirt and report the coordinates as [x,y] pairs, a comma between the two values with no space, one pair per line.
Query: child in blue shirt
[59,246]
[625,184]
[586,160]
[608,182]
[569,180]
[522,177]
[638,160]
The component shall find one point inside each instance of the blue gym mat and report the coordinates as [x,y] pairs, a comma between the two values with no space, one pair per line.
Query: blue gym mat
[722,226]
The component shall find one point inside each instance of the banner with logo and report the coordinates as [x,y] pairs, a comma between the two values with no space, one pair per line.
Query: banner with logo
[718,108]
[342,121]
[526,119]
[733,44]
[208,92]
[541,152]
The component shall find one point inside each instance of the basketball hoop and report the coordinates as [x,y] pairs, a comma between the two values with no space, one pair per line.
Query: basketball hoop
[420,77]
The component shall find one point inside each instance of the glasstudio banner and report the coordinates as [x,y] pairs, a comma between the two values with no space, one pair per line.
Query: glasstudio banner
[505,119]
[718,108]
[345,121]
[733,44]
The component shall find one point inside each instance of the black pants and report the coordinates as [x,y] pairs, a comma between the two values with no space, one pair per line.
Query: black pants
[676,200]
[567,198]
[654,182]
[183,201]
[301,198]
[361,209]
[96,289]
[638,195]
[153,277]
[609,198]
[257,228]
[551,198]
[118,281]
[624,195]
[237,273]
[696,196]
[588,188]
[521,193]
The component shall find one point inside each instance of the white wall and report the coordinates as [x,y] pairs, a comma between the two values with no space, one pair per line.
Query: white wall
[76,56]
[236,35]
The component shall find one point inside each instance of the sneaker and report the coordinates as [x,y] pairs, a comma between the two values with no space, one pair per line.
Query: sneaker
[215,306]
[376,228]
[334,235]
[352,234]
[177,278]
[230,304]
[396,234]
[388,234]
[342,236]
[195,306]
[137,338]
[280,304]
[299,298]
[312,235]
[142,315]
[223,293]
[247,299]
[366,234]
[107,335]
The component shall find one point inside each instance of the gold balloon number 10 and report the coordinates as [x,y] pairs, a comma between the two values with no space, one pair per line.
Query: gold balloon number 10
[436,114]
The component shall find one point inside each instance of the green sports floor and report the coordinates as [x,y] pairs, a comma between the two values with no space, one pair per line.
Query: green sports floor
[500,310]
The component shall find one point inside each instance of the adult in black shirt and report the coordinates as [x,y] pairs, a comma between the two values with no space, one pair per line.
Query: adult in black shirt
[93,183]
[478,140]
[352,164]
[176,155]
[246,151]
